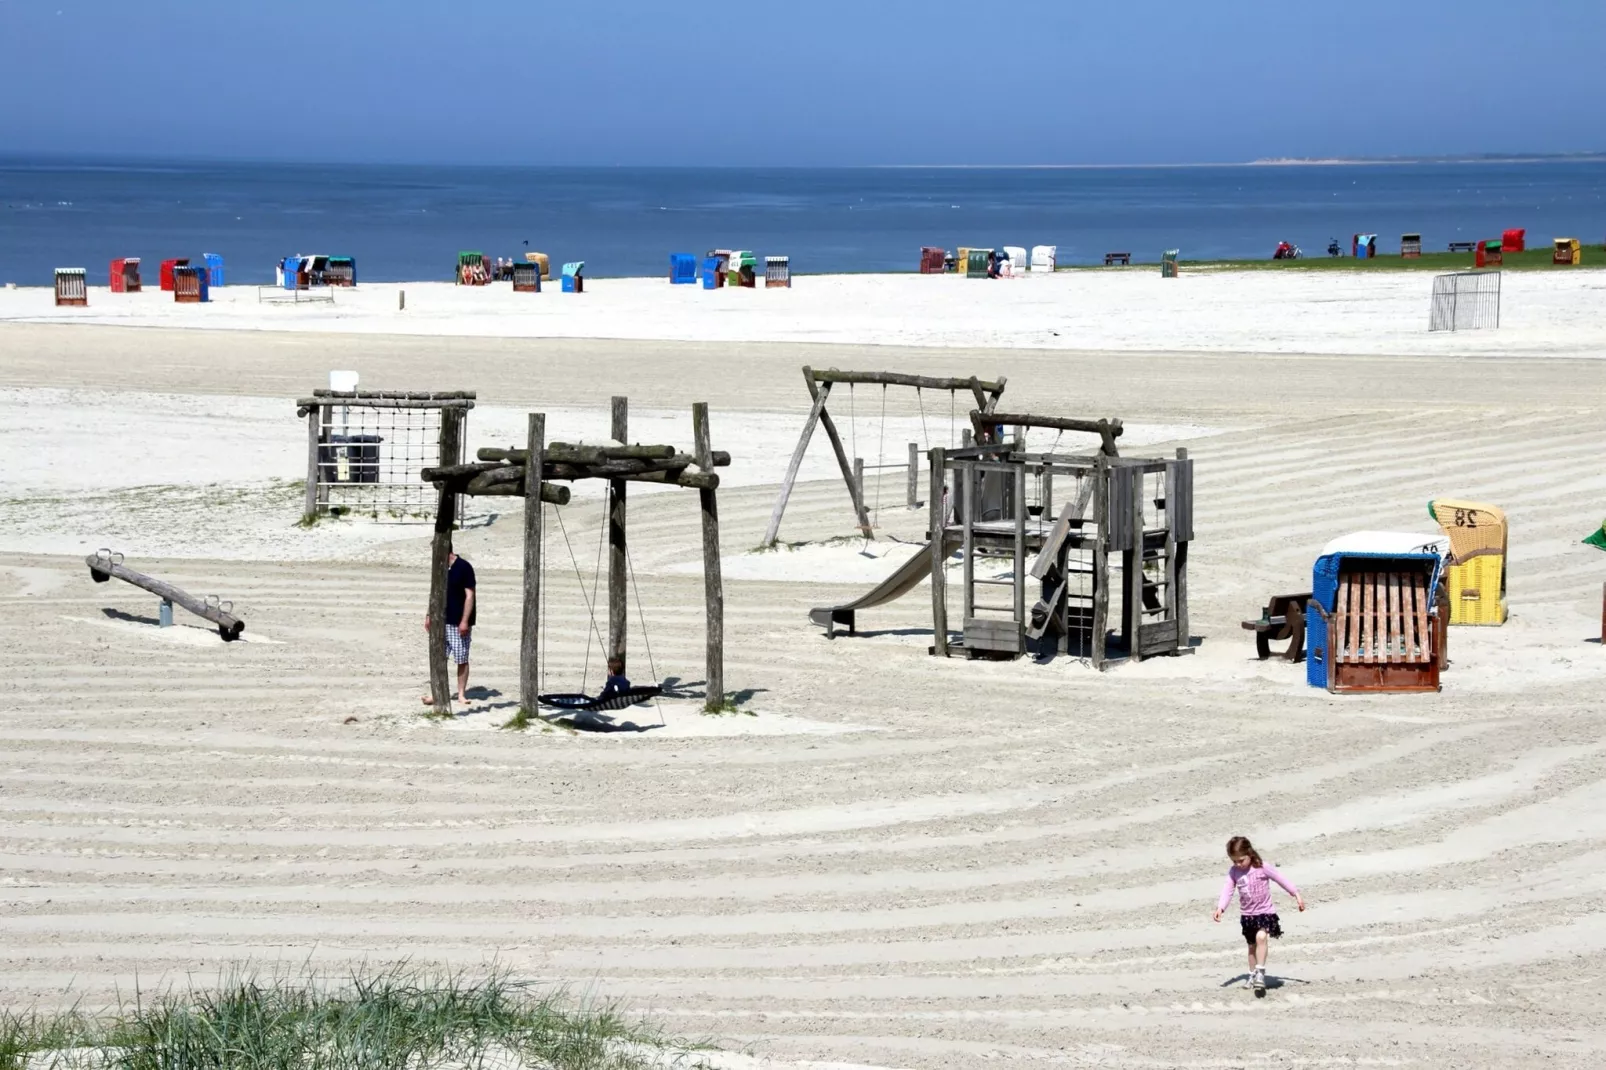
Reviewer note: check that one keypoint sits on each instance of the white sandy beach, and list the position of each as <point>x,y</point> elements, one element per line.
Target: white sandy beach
<point>886,860</point>
<point>1284,311</point>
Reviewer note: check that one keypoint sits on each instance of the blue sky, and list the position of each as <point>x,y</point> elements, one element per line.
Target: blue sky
<point>811,82</point>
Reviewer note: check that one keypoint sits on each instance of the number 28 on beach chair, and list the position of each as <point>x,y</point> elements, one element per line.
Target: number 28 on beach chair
<point>1375,620</point>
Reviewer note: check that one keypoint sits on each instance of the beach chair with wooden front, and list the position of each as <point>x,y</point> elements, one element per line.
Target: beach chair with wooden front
<point>526,278</point>
<point>778,271</point>
<point>1476,575</point>
<point>1374,620</point>
<point>191,285</point>
<point>72,286</point>
<point>931,260</point>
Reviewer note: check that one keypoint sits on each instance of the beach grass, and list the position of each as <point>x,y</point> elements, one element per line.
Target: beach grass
<point>1529,259</point>
<point>386,1019</point>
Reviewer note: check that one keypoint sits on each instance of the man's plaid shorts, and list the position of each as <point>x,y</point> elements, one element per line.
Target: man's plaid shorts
<point>456,644</point>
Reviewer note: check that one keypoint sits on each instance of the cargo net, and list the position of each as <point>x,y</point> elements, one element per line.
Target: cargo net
<point>369,459</point>
<point>1465,301</point>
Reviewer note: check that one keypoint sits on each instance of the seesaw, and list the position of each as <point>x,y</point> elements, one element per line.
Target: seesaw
<point>104,564</point>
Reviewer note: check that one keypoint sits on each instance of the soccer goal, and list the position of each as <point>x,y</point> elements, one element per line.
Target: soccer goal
<point>1465,301</point>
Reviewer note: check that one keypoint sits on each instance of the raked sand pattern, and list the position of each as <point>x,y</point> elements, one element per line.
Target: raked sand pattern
<point>886,860</point>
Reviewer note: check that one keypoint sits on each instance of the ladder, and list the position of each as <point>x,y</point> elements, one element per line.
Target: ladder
<point>995,617</point>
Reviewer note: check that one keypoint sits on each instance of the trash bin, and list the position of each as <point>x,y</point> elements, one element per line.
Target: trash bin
<point>349,459</point>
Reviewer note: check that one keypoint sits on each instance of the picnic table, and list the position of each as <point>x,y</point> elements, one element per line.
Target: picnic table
<point>1283,619</point>
<point>1463,246</point>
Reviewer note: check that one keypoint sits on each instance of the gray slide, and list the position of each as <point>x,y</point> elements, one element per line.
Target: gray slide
<point>895,586</point>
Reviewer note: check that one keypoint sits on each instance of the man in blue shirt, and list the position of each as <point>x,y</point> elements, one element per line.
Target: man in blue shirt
<point>461,609</point>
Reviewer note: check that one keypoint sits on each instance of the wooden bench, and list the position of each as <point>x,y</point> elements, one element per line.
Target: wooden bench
<point>1384,634</point>
<point>1124,259</point>
<point>1463,246</point>
<point>1283,619</point>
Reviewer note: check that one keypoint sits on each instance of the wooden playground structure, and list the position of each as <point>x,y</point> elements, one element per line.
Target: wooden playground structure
<point>523,473</point>
<point>985,393</point>
<point>1078,526</point>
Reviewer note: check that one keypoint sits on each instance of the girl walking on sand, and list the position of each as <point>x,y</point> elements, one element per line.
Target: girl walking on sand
<point>1253,879</point>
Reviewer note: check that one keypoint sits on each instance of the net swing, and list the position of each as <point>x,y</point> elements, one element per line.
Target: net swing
<point>581,701</point>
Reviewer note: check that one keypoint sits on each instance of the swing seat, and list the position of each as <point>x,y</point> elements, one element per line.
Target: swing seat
<point>578,703</point>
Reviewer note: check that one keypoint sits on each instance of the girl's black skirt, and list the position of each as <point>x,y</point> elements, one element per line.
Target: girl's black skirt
<point>1253,923</point>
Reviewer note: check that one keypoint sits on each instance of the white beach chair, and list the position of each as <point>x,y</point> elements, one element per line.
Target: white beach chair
<point>1043,257</point>
<point>1016,264</point>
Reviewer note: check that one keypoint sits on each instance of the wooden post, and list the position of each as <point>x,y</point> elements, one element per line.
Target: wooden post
<point>326,421</point>
<point>796,461</point>
<point>440,679</point>
<point>818,391</point>
<point>914,475</point>
<point>1046,499</point>
<point>1101,560</point>
<point>1132,572</point>
<point>530,631</point>
<point>310,507</point>
<point>713,583</point>
<point>939,535</point>
<point>965,475</point>
<point>1021,566</point>
<point>1179,582</point>
<point>618,602</point>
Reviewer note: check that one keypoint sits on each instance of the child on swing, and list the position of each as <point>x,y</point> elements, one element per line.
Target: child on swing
<point>616,682</point>
<point>1253,879</point>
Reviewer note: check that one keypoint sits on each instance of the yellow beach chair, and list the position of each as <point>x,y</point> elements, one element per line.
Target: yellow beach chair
<point>1477,572</point>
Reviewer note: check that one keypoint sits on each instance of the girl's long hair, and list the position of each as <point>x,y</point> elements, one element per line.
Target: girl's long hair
<point>1240,845</point>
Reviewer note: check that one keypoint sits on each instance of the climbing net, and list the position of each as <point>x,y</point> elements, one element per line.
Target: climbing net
<point>369,458</point>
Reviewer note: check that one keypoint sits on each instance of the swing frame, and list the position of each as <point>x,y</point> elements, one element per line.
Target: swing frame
<point>525,473</point>
<point>986,394</point>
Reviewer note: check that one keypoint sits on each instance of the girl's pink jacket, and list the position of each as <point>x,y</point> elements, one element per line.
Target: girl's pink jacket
<point>1254,889</point>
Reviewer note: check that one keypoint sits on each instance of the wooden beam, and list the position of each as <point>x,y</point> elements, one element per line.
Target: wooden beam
<point>530,625</point>
<point>1107,430</point>
<point>796,462</point>
<point>309,511</point>
<point>1101,561</point>
<point>713,581</point>
<point>440,681</point>
<point>994,395</point>
<point>306,404</point>
<point>924,382</point>
<point>1132,571</point>
<point>618,581</point>
<point>1179,588</point>
<point>398,395</point>
<point>567,454</point>
<point>913,492</point>
<point>939,575</point>
<point>103,567</point>
<point>855,491</point>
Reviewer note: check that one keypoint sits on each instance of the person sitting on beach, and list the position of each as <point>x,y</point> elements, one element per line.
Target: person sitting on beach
<point>995,264</point>
<point>615,683</point>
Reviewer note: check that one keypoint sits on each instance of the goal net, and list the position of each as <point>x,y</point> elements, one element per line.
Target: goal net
<point>1465,301</point>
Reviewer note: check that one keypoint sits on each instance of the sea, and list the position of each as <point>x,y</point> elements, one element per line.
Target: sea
<point>407,223</point>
